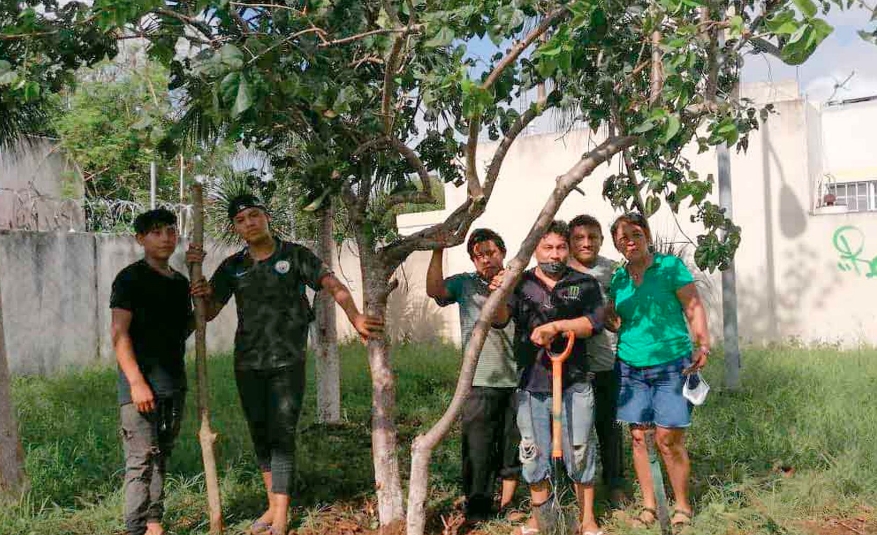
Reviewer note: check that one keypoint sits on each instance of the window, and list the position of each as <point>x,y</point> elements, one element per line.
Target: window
<point>858,196</point>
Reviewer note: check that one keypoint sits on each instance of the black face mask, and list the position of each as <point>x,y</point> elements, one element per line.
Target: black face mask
<point>552,268</point>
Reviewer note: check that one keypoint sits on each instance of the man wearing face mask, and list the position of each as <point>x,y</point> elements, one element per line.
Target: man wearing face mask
<point>489,434</point>
<point>550,300</point>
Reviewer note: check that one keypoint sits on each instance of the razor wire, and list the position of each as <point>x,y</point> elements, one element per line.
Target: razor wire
<point>29,209</point>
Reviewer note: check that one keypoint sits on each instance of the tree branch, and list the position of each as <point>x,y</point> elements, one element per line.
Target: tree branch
<point>199,25</point>
<point>516,50</point>
<point>408,30</point>
<point>473,183</point>
<point>657,75</point>
<point>268,6</point>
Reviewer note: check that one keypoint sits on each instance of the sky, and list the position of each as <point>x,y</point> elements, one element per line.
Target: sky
<point>841,54</point>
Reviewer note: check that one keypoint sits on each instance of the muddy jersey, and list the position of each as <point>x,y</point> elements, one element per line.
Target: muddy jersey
<point>272,307</point>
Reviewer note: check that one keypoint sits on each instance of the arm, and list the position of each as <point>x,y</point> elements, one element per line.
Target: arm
<point>203,289</point>
<point>544,334</point>
<point>695,313</point>
<point>435,277</point>
<point>366,326</point>
<point>613,322</point>
<point>141,394</point>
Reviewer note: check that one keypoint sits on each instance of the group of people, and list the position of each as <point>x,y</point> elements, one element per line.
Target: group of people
<point>640,329</point>
<point>650,302</point>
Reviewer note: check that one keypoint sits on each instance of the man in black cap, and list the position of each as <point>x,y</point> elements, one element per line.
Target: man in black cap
<point>267,279</point>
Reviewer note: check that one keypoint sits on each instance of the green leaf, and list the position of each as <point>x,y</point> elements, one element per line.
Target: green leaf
<point>444,37</point>
<point>736,24</point>
<point>807,7</point>
<point>869,37</point>
<point>645,127</point>
<point>317,203</point>
<point>231,56</point>
<point>783,23</point>
<point>673,126</point>
<point>653,204</point>
<point>244,100</point>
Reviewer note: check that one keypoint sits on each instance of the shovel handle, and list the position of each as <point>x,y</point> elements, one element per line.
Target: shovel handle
<point>557,395</point>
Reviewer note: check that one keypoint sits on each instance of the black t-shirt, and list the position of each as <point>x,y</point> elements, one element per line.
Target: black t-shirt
<point>273,309</point>
<point>534,304</point>
<point>161,309</point>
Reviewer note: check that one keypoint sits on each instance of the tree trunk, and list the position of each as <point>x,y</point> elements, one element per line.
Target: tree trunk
<point>328,364</point>
<point>421,450</point>
<point>206,436</point>
<point>391,508</point>
<point>13,480</point>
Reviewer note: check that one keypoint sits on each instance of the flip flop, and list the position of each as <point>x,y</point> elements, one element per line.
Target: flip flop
<point>525,530</point>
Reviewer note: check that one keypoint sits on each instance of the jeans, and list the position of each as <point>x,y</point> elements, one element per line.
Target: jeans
<point>272,401</point>
<point>652,395</point>
<point>577,421</point>
<point>148,439</point>
<point>490,445</point>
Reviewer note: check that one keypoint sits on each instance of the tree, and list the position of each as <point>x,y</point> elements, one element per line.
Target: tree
<point>384,94</point>
<point>111,125</point>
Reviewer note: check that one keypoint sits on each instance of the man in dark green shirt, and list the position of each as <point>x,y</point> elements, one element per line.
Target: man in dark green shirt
<point>267,279</point>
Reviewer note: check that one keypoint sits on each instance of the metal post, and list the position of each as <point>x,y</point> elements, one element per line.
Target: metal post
<point>729,280</point>
<point>153,186</point>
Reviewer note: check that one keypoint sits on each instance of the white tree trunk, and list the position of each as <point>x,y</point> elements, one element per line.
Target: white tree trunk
<point>388,485</point>
<point>421,450</point>
<point>328,363</point>
<point>13,480</point>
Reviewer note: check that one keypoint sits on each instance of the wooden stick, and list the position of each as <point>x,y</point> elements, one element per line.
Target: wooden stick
<point>206,436</point>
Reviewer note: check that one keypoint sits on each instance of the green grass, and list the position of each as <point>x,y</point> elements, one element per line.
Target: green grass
<point>809,410</point>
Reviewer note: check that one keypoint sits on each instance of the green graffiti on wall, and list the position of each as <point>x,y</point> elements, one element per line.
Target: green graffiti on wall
<point>849,241</point>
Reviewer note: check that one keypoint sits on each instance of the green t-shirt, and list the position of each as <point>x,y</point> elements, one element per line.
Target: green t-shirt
<point>653,328</point>
<point>496,365</point>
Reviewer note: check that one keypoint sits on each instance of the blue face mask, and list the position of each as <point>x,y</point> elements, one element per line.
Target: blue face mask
<point>552,268</point>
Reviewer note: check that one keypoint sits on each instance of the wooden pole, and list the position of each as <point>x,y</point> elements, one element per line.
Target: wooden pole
<point>206,436</point>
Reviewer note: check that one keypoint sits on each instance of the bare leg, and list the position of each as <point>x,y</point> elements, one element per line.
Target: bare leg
<point>539,494</point>
<point>154,528</point>
<point>508,492</point>
<point>641,465</point>
<point>671,444</point>
<point>585,497</point>
<point>281,510</point>
<point>268,516</point>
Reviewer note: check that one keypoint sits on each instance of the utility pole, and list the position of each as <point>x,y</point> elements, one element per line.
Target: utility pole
<point>729,280</point>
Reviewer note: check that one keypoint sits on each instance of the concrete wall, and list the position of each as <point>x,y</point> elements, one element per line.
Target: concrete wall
<point>56,294</point>
<point>37,184</point>
<point>800,276</point>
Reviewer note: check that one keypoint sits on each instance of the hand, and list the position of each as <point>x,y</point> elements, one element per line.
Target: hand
<point>368,326</point>
<point>544,334</point>
<point>201,288</point>
<point>496,281</point>
<point>698,360</point>
<point>195,254</point>
<point>142,397</point>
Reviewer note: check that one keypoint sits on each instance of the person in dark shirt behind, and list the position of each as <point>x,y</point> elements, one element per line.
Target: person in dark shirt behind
<point>151,319</point>
<point>267,279</point>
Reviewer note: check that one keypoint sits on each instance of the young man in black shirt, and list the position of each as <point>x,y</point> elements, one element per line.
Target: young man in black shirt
<point>151,319</point>
<point>550,300</point>
<point>267,279</point>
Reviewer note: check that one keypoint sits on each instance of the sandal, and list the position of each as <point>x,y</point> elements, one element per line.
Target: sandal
<point>258,527</point>
<point>643,521</point>
<point>686,518</point>
<point>524,529</point>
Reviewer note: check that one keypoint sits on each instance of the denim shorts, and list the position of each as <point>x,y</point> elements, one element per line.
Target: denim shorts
<point>578,441</point>
<point>653,395</point>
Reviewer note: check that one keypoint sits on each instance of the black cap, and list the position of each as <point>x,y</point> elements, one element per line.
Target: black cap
<point>242,202</point>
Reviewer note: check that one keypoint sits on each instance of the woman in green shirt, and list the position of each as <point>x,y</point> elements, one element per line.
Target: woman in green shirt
<point>650,299</point>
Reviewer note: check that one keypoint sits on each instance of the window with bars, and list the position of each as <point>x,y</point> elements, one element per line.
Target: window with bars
<point>858,196</point>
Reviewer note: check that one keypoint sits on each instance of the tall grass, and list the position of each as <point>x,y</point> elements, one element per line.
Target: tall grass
<point>796,443</point>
